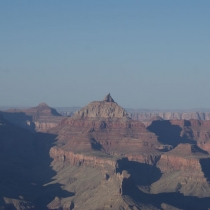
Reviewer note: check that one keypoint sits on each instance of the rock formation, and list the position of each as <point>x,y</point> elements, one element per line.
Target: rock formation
<point>104,126</point>
<point>185,169</point>
<point>102,159</point>
<point>102,109</point>
<point>39,118</point>
<point>103,137</point>
<point>183,131</point>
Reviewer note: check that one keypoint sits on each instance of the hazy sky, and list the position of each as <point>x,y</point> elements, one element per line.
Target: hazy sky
<point>147,54</point>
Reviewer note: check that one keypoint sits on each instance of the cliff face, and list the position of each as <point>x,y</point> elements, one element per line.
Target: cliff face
<point>94,160</point>
<point>185,157</point>
<point>182,131</point>
<point>184,170</point>
<point>40,118</point>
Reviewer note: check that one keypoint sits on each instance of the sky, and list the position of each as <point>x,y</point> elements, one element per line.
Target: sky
<point>147,54</point>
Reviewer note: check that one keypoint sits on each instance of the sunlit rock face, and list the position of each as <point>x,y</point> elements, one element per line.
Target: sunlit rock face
<point>102,109</point>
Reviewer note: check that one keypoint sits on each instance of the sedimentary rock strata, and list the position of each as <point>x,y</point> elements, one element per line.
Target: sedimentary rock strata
<point>40,118</point>
<point>147,115</point>
<point>185,169</point>
<point>104,126</point>
<point>183,131</point>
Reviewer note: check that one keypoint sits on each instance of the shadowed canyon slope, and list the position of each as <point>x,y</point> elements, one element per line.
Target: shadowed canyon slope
<point>25,169</point>
<point>102,159</point>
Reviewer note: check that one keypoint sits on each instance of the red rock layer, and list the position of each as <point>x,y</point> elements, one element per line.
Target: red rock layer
<point>118,137</point>
<point>185,158</point>
<point>197,130</point>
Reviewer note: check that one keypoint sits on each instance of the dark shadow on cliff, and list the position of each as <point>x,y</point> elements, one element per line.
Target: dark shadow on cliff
<point>145,175</point>
<point>177,199</point>
<point>168,133</point>
<point>205,165</point>
<point>95,145</point>
<point>25,167</point>
<point>20,119</point>
<point>142,174</point>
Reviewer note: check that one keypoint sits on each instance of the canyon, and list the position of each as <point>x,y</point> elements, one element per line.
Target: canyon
<point>103,158</point>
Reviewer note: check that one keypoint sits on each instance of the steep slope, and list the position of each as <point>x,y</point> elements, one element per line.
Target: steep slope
<point>25,169</point>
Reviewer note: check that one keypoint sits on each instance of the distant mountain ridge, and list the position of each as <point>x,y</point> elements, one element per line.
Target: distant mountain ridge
<point>142,114</point>
<point>146,114</point>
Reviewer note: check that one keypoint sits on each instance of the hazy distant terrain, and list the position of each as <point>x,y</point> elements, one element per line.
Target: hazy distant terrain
<point>141,114</point>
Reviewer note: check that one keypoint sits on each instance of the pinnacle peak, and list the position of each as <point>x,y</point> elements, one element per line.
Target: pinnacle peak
<point>108,98</point>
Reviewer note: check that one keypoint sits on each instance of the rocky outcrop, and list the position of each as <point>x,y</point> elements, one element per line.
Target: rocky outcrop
<point>40,118</point>
<point>174,132</point>
<point>186,167</point>
<point>184,157</point>
<point>103,126</point>
<point>108,98</point>
<point>184,170</point>
<point>102,109</point>
<point>93,160</point>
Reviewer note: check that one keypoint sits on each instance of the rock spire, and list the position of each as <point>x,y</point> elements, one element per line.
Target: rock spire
<point>108,98</point>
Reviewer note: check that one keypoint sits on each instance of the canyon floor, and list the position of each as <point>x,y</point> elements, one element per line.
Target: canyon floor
<point>101,158</point>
